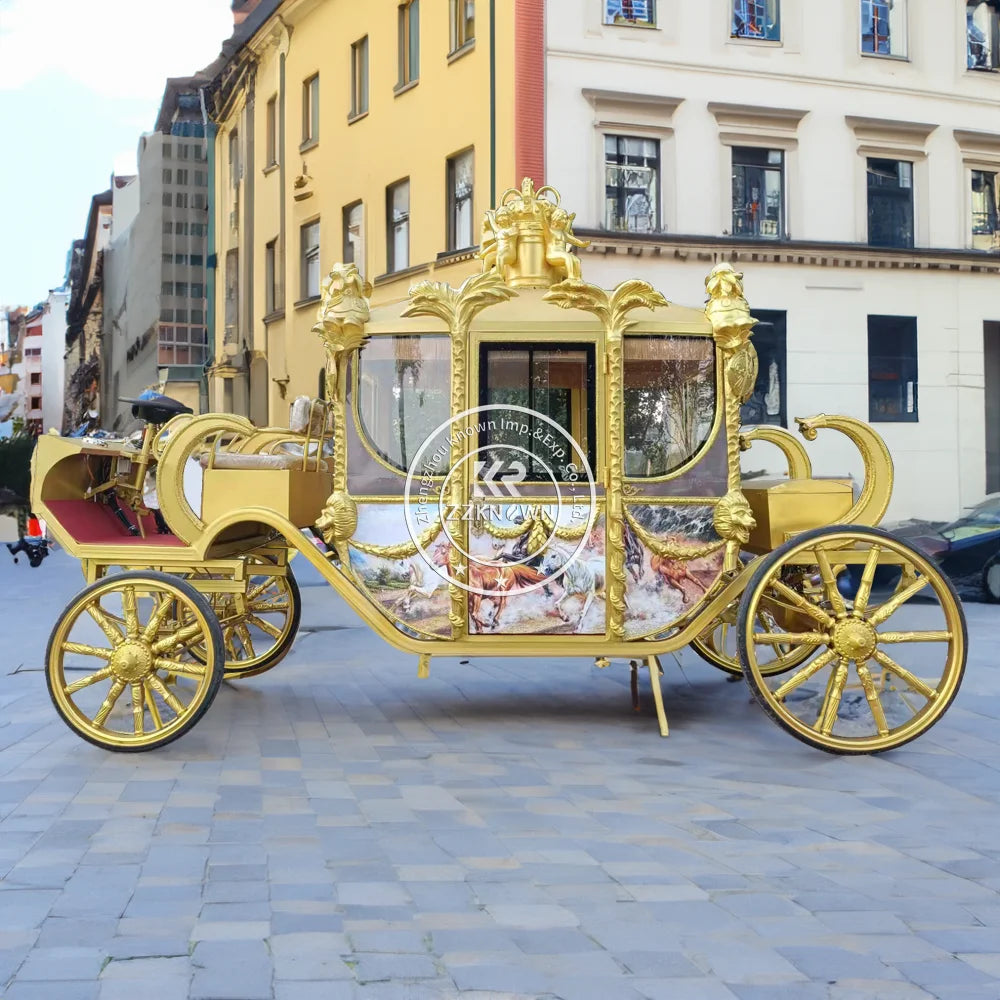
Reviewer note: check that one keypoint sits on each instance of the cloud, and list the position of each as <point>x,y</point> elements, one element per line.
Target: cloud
<point>116,48</point>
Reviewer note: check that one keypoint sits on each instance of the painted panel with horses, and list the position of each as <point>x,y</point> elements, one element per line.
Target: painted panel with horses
<point>672,558</point>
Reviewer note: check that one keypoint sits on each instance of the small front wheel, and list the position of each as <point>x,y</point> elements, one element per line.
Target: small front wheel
<point>116,666</point>
<point>869,683</point>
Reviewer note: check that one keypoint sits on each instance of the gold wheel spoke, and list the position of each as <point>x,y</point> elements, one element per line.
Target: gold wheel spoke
<point>275,633</point>
<point>181,636</point>
<point>84,682</point>
<point>804,674</point>
<point>867,577</point>
<point>157,619</point>
<point>269,607</point>
<point>230,645</point>
<point>259,589</point>
<point>130,612</point>
<point>831,700</point>
<point>138,708</point>
<point>914,637</point>
<point>878,714</point>
<point>84,650</point>
<point>802,604</point>
<point>833,595</point>
<point>161,689</point>
<point>107,626</point>
<point>903,674</point>
<point>790,638</point>
<point>154,711</point>
<point>196,670</point>
<point>880,614</point>
<point>109,703</point>
<point>246,641</point>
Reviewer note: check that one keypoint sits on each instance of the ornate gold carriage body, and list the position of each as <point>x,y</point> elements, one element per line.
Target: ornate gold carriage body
<point>527,465</point>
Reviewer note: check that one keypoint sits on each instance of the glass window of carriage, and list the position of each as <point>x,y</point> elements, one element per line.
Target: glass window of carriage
<point>670,400</point>
<point>403,394</point>
<point>758,193</point>
<point>883,27</point>
<point>982,27</point>
<point>635,13</point>
<point>554,380</point>
<point>631,183</point>
<point>890,203</point>
<point>757,19</point>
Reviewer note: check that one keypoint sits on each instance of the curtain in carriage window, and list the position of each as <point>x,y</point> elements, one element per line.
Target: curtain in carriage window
<point>404,394</point>
<point>670,401</point>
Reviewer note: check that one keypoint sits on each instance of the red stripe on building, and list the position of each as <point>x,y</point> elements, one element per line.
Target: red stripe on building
<point>529,91</point>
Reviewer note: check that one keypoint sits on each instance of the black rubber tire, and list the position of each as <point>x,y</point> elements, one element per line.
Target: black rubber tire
<point>989,594</point>
<point>215,678</point>
<point>768,563</point>
<point>281,650</point>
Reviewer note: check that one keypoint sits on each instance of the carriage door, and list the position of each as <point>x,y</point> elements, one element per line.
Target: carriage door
<point>536,554</point>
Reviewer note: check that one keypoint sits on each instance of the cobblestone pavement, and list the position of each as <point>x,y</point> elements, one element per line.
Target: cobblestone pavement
<point>338,828</point>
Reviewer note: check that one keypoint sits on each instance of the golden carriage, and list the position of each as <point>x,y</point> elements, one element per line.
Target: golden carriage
<point>527,465</point>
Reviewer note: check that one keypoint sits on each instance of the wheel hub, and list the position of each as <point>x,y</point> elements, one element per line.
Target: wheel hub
<point>132,661</point>
<point>854,639</point>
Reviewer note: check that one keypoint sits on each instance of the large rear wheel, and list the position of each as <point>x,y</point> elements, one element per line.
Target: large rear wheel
<point>867,684</point>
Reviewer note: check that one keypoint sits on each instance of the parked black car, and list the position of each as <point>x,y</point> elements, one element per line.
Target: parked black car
<point>967,549</point>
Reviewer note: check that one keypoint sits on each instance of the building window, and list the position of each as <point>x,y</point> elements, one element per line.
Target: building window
<point>984,204</point>
<point>197,259</point>
<point>166,151</point>
<point>271,133</point>
<point>766,404</point>
<point>409,43</point>
<point>310,109</point>
<point>166,199</point>
<point>271,277</point>
<point>36,378</point>
<point>232,295</point>
<point>631,184</point>
<point>167,175</point>
<point>883,27</point>
<point>310,260</point>
<point>167,288</point>
<point>235,167</point>
<point>757,19</point>
<point>182,176</point>
<point>199,200</point>
<point>197,290</point>
<point>397,200</point>
<point>354,235</point>
<point>36,402</point>
<point>758,193</point>
<point>892,369</point>
<point>463,23</point>
<point>201,178</point>
<point>182,345</point>
<point>982,18</point>
<point>890,203</point>
<point>460,180</point>
<point>359,77</point>
<point>638,12</point>
<point>181,289</point>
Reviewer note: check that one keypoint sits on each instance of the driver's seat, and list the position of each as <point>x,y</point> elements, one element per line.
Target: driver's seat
<point>156,409</point>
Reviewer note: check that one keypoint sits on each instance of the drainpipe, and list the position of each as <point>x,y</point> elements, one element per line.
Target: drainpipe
<point>210,259</point>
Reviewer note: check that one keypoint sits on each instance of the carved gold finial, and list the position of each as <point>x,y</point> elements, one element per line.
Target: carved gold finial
<point>727,309</point>
<point>527,238</point>
<point>733,518</point>
<point>344,309</point>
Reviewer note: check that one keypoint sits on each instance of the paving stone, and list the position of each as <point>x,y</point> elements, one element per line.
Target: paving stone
<point>65,990</point>
<point>61,964</point>
<point>382,967</point>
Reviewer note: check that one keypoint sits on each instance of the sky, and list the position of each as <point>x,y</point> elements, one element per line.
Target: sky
<point>80,81</point>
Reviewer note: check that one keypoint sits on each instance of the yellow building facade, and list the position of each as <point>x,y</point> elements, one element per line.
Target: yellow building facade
<point>371,133</point>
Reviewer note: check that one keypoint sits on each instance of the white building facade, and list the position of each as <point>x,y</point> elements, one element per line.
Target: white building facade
<point>845,157</point>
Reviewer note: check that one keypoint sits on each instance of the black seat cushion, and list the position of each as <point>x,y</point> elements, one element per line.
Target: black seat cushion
<point>157,409</point>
